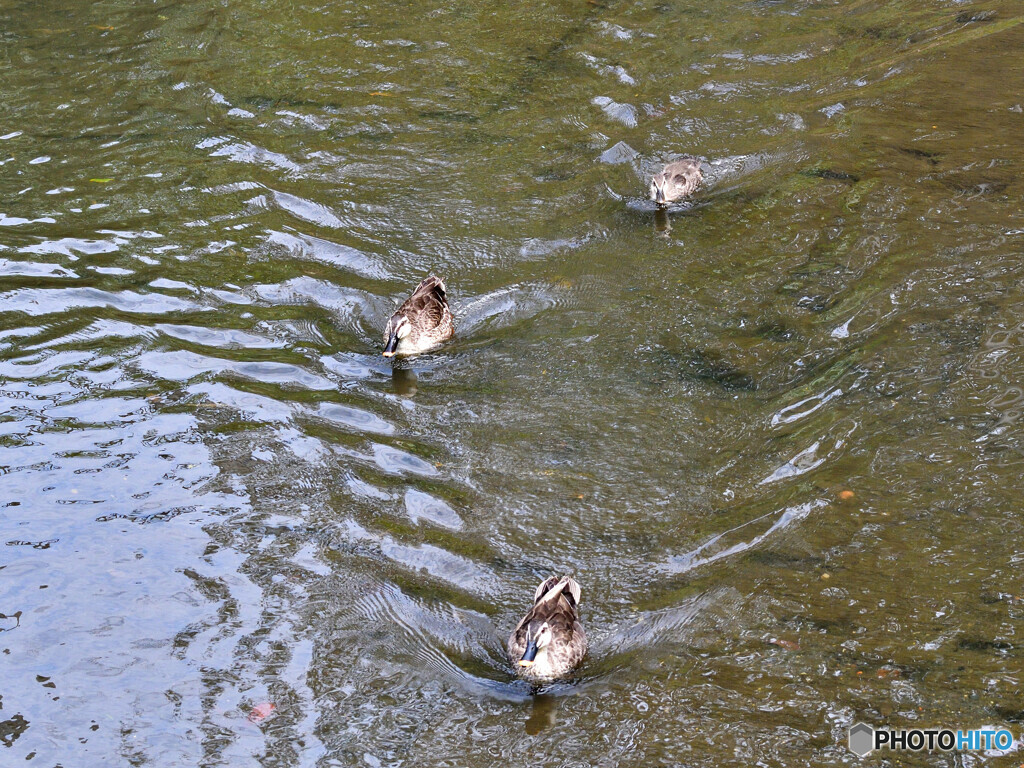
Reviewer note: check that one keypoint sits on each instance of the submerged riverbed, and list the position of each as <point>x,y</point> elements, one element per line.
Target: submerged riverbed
<point>774,435</point>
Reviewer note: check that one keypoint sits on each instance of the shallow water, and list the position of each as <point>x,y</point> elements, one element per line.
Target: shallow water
<point>774,434</point>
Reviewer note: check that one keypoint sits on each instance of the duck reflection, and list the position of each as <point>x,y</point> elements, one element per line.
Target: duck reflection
<point>403,381</point>
<point>662,225</point>
<point>542,715</point>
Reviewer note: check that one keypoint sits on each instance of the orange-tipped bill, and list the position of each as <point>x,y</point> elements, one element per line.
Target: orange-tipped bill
<point>391,346</point>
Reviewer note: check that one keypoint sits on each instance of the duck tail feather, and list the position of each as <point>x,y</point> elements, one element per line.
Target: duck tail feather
<point>432,284</point>
<point>544,588</point>
<point>553,587</point>
<point>573,589</point>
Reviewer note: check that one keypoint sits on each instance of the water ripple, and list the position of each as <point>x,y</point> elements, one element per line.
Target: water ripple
<point>724,544</point>
<point>326,252</point>
<point>38,302</point>
<point>353,418</point>
<point>184,366</point>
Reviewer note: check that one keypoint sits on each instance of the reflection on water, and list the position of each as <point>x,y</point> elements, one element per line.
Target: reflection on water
<point>543,714</point>
<point>774,434</point>
<point>403,381</point>
<point>661,222</point>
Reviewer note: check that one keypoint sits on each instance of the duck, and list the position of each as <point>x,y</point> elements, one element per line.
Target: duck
<point>677,180</point>
<point>423,321</point>
<point>549,642</point>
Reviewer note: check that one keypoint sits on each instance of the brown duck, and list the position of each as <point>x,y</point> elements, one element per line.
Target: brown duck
<point>676,181</point>
<point>422,322</point>
<point>549,642</point>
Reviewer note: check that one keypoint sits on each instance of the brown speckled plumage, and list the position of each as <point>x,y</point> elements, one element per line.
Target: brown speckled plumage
<point>677,180</point>
<point>556,611</point>
<point>422,322</point>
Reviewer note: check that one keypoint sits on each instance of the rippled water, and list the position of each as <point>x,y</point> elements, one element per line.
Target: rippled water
<point>774,435</point>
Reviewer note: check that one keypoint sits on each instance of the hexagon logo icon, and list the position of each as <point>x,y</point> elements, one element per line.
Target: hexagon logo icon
<point>862,739</point>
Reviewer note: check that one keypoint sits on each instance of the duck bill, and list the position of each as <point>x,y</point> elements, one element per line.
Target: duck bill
<point>659,195</point>
<point>392,346</point>
<point>530,655</point>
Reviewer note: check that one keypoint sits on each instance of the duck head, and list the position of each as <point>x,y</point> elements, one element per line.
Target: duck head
<point>398,328</point>
<point>658,189</point>
<point>538,637</point>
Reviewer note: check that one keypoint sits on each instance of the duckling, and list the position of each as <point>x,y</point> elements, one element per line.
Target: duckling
<point>549,642</point>
<point>421,323</point>
<point>676,181</point>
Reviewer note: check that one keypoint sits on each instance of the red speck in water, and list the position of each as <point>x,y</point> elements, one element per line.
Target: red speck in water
<point>261,712</point>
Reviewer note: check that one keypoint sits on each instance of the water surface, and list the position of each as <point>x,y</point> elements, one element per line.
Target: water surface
<point>774,435</point>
